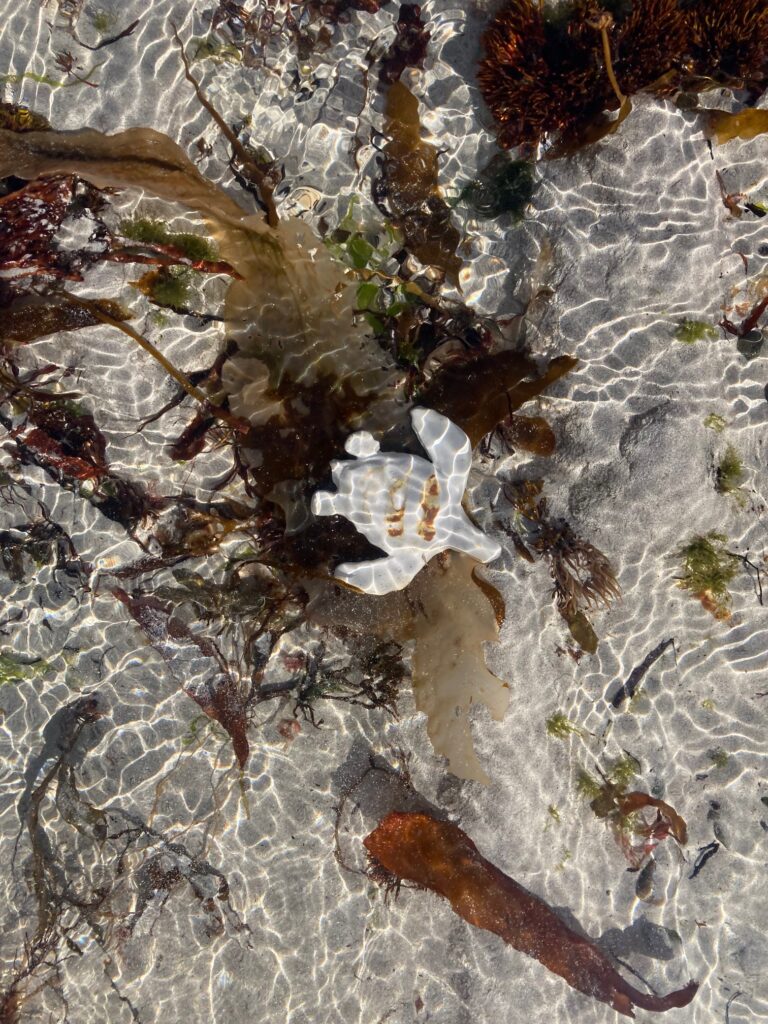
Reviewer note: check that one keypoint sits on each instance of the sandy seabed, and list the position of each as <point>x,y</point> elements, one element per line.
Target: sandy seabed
<point>261,922</point>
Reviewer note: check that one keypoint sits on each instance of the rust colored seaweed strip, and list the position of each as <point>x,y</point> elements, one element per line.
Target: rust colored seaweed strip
<point>156,354</point>
<point>437,855</point>
<point>240,151</point>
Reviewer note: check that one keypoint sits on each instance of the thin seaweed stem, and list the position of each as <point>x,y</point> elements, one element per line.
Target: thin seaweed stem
<point>156,354</point>
<point>252,168</point>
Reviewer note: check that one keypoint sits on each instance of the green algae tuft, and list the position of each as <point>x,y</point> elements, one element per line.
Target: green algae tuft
<point>691,331</point>
<point>708,568</point>
<point>559,727</point>
<point>152,231</point>
<point>715,422</point>
<point>729,475</point>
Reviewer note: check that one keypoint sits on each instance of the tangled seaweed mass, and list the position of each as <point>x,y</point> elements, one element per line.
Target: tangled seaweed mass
<point>547,75</point>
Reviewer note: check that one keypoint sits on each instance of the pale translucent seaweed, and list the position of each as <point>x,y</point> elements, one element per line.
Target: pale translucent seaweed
<point>449,615</point>
<point>455,619</point>
<point>293,310</point>
<point>407,506</point>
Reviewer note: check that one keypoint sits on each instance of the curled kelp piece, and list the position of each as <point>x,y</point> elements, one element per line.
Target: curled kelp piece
<point>439,856</point>
<point>407,192</point>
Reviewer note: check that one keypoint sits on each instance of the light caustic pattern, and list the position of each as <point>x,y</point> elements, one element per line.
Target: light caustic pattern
<point>193,891</point>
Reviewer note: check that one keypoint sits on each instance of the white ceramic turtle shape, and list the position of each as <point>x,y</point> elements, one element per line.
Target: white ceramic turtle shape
<point>404,504</point>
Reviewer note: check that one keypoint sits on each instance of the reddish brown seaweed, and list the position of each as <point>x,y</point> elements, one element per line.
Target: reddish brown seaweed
<point>437,855</point>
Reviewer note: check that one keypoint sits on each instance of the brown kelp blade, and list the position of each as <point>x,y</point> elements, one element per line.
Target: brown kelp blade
<point>478,395</point>
<point>722,126</point>
<point>437,855</point>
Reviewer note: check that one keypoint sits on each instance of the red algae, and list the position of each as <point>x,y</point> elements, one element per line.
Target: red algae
<point>437,855</point>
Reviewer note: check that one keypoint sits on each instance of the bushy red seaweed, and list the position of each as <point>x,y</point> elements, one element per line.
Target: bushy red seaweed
<point>546,75</point>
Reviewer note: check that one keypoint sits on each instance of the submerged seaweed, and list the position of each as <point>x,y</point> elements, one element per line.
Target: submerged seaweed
<point>547,74</point>
<point>610,800</point>
<point>406,190</point>
<point>729,476</point>
<point>438,856</point>
<point>583,577</point>
<point>708,568</point>
<point>504,186</point>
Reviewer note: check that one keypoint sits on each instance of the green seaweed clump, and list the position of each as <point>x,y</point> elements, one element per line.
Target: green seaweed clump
<point>587,785</point>
<point>623,770</point>
<point>505,186</point>
<point>708,569</point>
<point>170,286</point>
<point>715,422</point>
<point>691,331</point>
<point>152,231</point>
<point>729,475</point>
<point>559,727</point>
<point>13,670</point>
<point>718,757</point>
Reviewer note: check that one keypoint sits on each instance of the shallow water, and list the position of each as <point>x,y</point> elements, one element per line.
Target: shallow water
<point>219,895</point>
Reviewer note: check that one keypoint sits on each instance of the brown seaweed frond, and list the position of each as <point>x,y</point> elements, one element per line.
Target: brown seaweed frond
<point>409,47</point>
<point>539,76</point>
<point>248,165</point>
<point>582,575</point>
<point>407,191</point>
<point>438,855</point>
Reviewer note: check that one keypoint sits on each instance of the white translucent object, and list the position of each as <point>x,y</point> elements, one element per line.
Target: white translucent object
<point>404,504</point>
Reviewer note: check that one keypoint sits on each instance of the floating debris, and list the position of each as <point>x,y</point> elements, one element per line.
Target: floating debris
<point>407,506</point>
